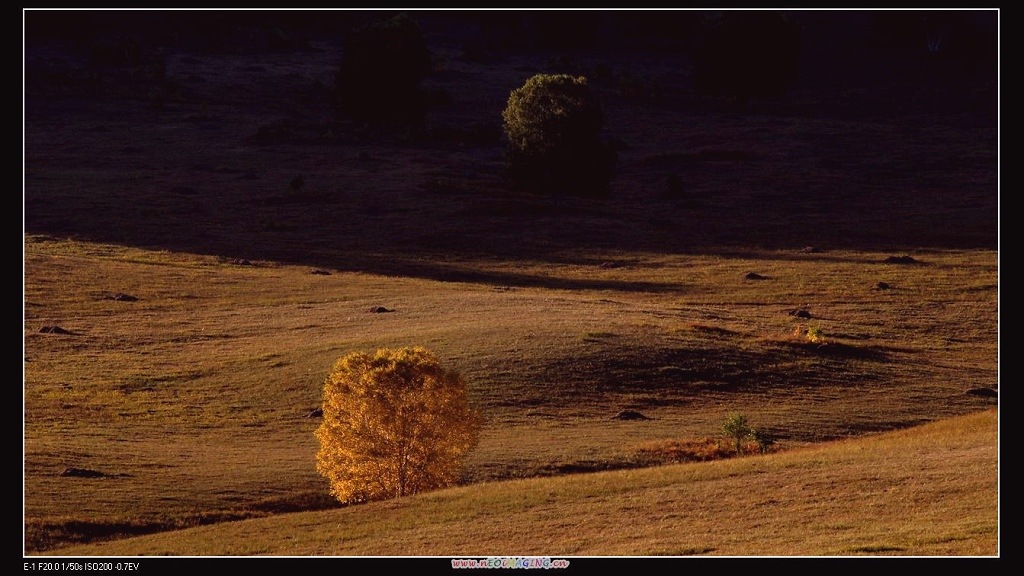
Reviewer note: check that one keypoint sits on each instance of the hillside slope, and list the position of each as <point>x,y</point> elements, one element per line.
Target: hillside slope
<point>930,490</point>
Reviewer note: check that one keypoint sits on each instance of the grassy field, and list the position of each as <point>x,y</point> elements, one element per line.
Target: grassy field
<point>193,400</point>
<point>183,305</point>
<point>927,491</point>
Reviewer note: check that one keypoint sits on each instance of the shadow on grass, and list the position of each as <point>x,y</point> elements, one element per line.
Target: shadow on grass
<point>673,373</point>
<point>41,536</point>
<point>447,273</point>
<point>839,350</point>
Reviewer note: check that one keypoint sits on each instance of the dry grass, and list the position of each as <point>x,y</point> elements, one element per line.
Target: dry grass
<point>927,491</point>
<point>192,400</point>
<point>702,450</point>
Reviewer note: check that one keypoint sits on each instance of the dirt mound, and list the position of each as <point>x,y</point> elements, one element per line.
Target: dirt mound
<point>901,260</point>
<point>629,415</point>
<point>81,473</point>
<point>54,330</point>
<point>985,392</point>
<point>121,297</point>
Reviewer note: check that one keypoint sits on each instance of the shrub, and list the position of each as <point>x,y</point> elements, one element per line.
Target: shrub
<point>395,423</point>
<point>746,438</point>
<point>737,428</point>
<point>553,125</point>
<point>765,440</point>
<point>746,54</point>
<point>809,334</point>
<point>381,68</point>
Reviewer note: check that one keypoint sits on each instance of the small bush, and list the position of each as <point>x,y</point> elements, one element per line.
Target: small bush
<point>746,438</point>
<point>746,54</point>
<point>737,428</point>
<point>553,125</point>
<point>809,334</point>
<point>381,68</point>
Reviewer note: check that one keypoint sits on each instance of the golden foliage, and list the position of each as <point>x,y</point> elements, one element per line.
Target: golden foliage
<point>394,423</point>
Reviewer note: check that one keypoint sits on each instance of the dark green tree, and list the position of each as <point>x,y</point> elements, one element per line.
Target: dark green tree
<point>553,125</point>
<point>746,54</point>
<point>381,68</point>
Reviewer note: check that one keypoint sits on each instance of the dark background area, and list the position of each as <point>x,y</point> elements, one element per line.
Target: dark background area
<point>184,130</point>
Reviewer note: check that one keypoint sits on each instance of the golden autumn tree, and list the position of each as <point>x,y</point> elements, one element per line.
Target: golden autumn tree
<point>394,423</point>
